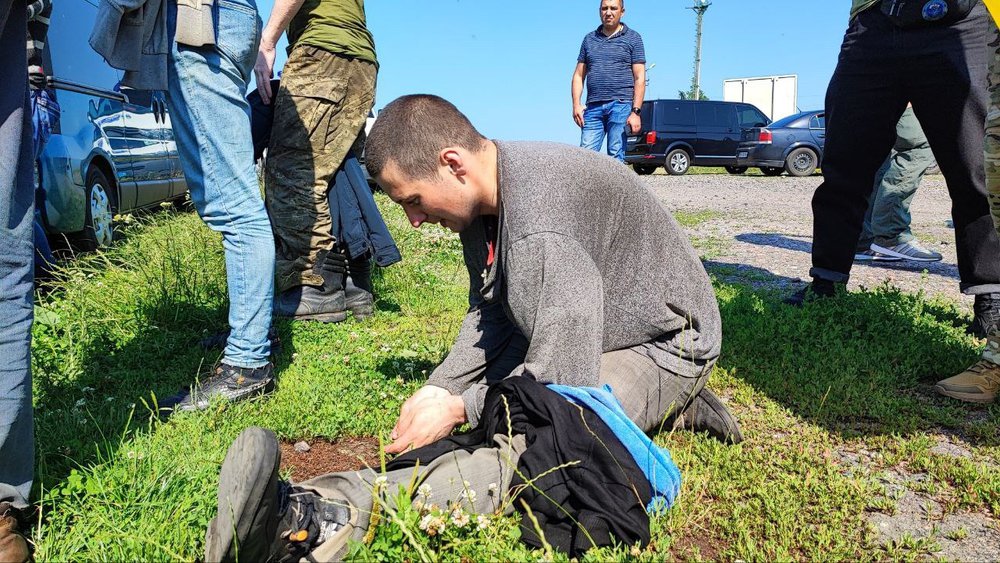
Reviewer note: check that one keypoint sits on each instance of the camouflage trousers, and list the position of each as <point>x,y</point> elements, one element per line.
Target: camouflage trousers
<point>992,145</point>
<point>319,111</point>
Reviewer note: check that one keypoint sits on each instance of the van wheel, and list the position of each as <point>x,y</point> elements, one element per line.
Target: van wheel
<point>102,204</point>
<point>644,169</point>
<point>736,169</point>
<point>801,162</point>
<point>771,170</point>
<point>677,162</point>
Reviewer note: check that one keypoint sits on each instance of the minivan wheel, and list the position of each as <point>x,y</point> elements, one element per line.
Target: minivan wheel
<point>102,203</point>
<point>644,169</point>
<point>772,170</point>
<point>801,162</point>
<point>736,169</point>
<point>677,162</point>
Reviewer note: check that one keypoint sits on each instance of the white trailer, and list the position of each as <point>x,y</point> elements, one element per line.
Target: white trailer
<point>776,96</point>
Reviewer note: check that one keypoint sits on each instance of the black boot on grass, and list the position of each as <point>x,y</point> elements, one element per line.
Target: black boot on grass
<point>324,303</point>
<point>358,288</point>
<point>986,309</point>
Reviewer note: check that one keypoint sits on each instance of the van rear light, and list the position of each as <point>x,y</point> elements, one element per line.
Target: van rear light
<point>765,137</point>
<point>651,138</point>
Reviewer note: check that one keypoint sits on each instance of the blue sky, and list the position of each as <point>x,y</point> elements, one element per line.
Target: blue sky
<point>507,65</point>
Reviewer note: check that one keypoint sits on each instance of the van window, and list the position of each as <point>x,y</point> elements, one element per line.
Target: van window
<point>714,115</point>
<point>674,114</point>
<point>749,116</point>
<point>69,49</point>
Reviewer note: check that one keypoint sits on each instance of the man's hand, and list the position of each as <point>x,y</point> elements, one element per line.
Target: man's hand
<point>578,114</point>
<point>634,123</point>
<point>427,416</point>
<point>264,71</point>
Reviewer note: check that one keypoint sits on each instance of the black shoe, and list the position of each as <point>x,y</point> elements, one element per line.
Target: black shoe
<point>247,519</point>
<point>14,545</point>
<point>218,341</point>
<point>818,289</point>
<point>707,413</point>
<point>229,382</point>
<point>987,315</point>
<point>325,303</point>
<point>361,303</point>
<point>260,518</point>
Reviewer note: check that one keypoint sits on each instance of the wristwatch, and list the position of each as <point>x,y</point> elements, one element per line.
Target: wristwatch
<point>636,110</point>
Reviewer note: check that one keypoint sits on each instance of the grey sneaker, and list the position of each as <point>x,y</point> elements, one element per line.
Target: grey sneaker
<point>911,250</point>
<point>230,382</point>
<point>260,518</point>
<point>871,255</point>
<point>246,523</point>
<point>707,413</point>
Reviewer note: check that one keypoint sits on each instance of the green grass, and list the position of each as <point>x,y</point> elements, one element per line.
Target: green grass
<point>812,387</point>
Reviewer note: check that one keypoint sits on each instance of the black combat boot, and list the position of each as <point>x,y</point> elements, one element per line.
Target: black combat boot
<point>324,303</point>
<point>358,287</point>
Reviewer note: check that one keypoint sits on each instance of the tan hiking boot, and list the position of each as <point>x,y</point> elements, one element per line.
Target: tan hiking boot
<point>978,384</point>
<point>13,546</point>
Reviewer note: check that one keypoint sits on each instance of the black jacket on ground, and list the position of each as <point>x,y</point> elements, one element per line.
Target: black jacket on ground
<point>605,491</point>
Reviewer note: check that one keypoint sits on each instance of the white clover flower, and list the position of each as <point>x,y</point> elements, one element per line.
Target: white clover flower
<point>80,403</point>
<point>425,522</point>
<point>494,488</point>
<point>483,521</point>
<point>130,454</point>
<point>459,518</point>
<point>424,491</point>
<point>381,481</point>
<point>468,494</point>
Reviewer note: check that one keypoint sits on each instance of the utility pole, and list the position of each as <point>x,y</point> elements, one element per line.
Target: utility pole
<point>700,7</point>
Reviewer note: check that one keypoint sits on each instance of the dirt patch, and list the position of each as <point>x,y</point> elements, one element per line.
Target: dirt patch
<point>345,454</point>
<point>959,536</point>
<point>696,548</point>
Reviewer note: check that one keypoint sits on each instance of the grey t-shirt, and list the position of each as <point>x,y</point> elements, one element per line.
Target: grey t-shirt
<point>588,261</point>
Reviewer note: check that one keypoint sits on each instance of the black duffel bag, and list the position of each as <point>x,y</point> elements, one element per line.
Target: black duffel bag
<point>922,13</point>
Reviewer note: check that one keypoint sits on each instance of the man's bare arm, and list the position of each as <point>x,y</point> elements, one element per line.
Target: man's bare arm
<point>639,76</point>
<point>577,90</point>
<point>277,23</point>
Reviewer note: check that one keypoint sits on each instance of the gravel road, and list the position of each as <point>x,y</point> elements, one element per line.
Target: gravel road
<point>760,232</point>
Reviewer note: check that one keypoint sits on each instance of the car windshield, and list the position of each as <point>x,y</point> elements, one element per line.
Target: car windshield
<point>786,121</point>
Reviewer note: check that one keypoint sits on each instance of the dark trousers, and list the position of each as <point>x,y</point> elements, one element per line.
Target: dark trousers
<point>942,72</point>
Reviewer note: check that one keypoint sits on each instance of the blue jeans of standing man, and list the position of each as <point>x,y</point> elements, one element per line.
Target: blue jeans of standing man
<point>606,118</point>
<point>887,222</point>
<point>211,121</point>
<point>17,212</point>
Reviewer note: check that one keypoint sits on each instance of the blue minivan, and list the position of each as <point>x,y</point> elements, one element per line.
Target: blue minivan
<point>112,150</point>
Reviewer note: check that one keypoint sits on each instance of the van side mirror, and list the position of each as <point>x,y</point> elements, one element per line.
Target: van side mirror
<point>760,124</point>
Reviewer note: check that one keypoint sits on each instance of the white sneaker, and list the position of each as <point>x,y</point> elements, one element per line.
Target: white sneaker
<point>870,255</point>
<point>911,250</point>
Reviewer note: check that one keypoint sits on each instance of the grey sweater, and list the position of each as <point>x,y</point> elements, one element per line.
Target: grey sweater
<point>588,261</point>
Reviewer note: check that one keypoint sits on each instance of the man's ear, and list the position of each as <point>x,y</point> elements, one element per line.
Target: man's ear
<point>454,160</point>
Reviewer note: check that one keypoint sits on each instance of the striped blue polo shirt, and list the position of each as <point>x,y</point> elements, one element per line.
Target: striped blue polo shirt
<point>609,63</point>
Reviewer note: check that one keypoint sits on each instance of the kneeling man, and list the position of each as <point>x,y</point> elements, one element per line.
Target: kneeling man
<point>580,277</point>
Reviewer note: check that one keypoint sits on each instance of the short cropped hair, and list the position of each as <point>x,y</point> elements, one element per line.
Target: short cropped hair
<point>412,130</point>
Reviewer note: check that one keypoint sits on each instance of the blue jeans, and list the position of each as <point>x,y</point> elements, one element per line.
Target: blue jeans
<point>17,213</point>
<point>210,116</point>
<point>606,118</point>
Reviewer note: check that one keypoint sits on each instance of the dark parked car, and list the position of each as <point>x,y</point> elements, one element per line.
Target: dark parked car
<point>677,134</point>
<point>793,144</point>
<point>112,150</point>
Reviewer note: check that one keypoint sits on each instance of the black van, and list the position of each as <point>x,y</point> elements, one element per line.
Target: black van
<point>677,134</point>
